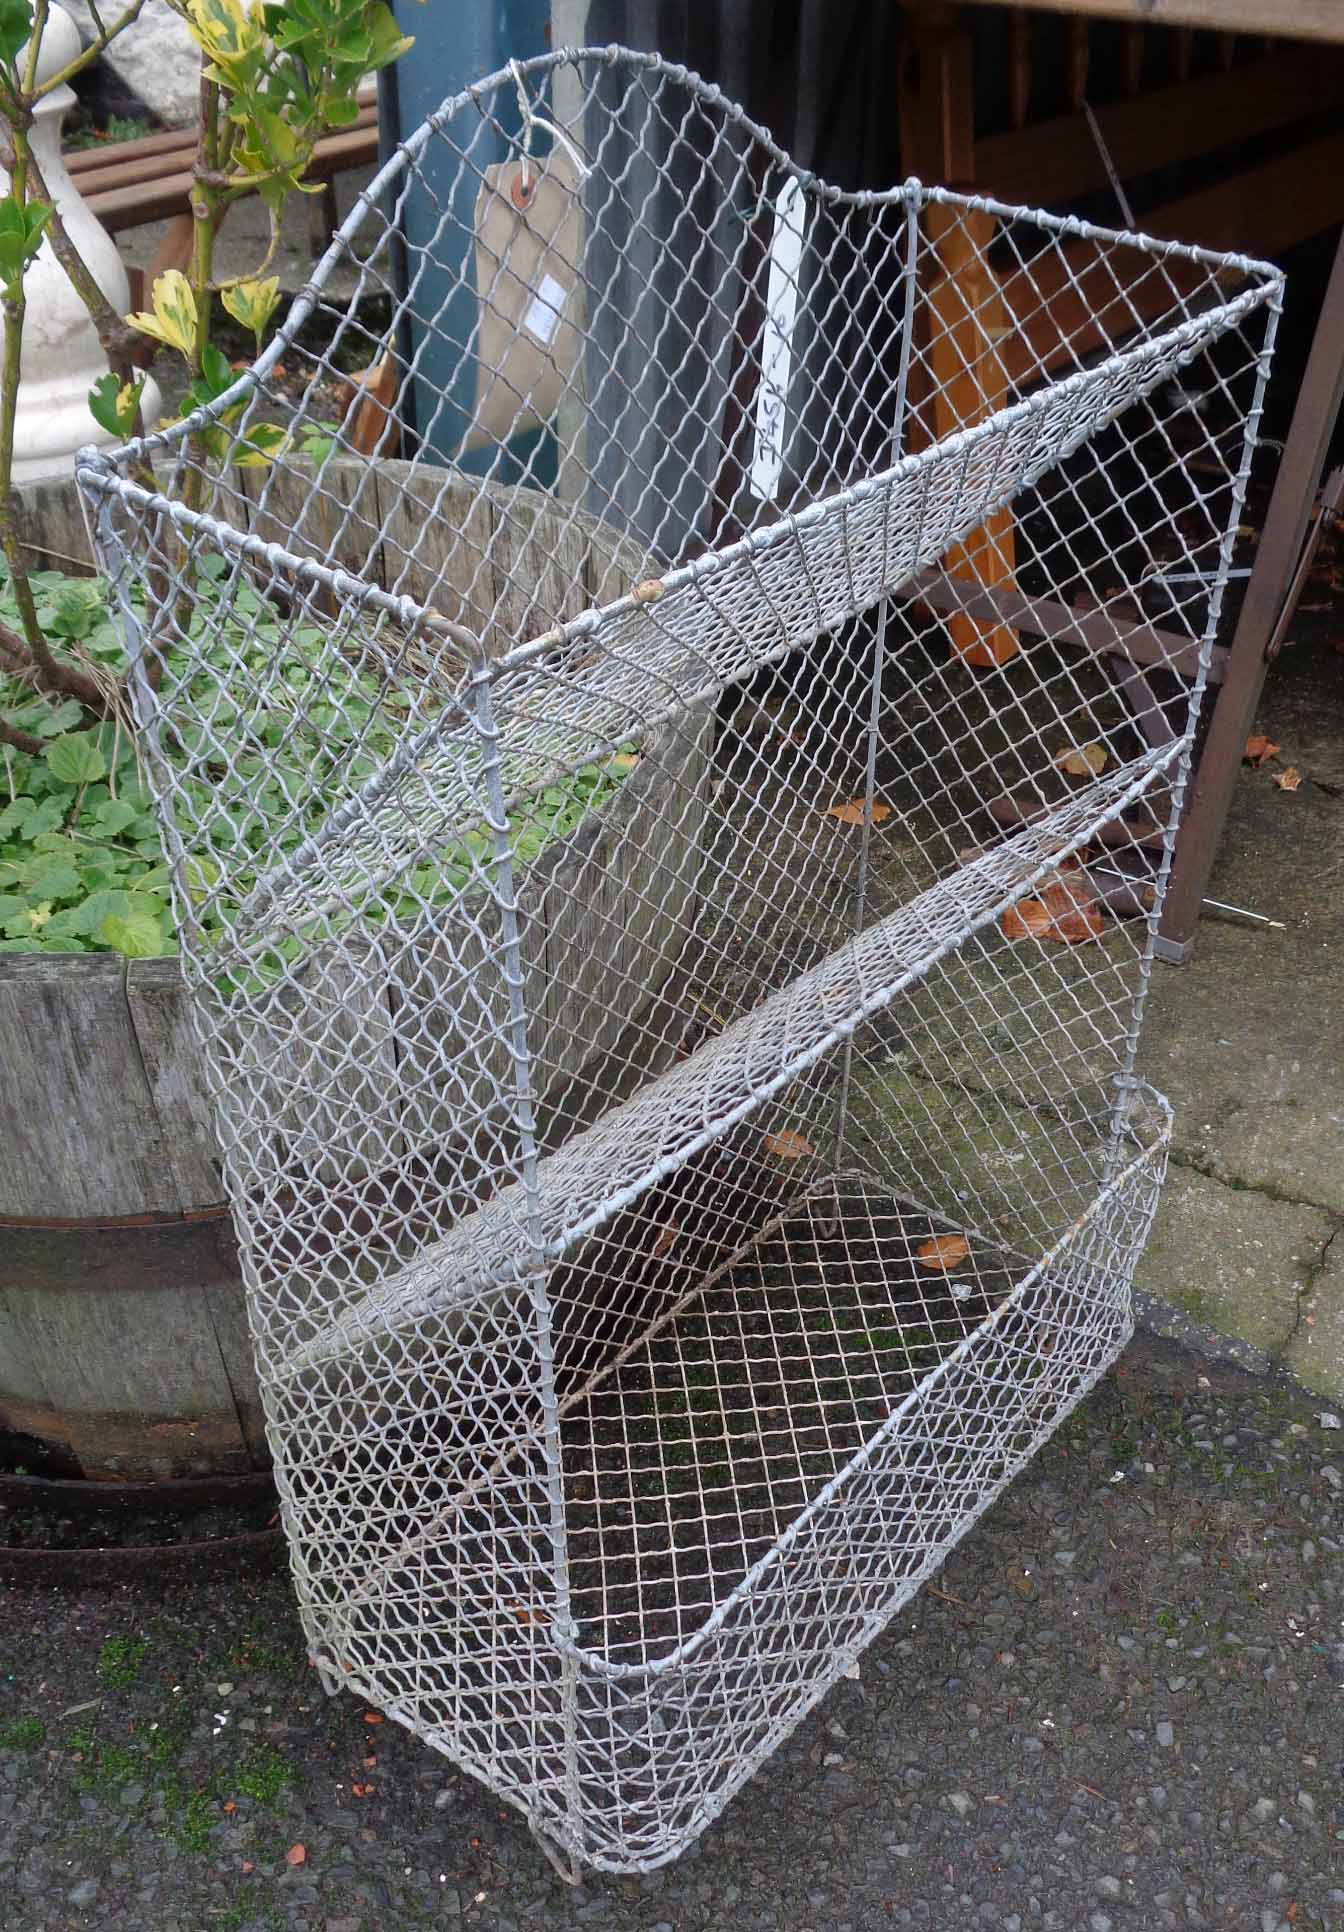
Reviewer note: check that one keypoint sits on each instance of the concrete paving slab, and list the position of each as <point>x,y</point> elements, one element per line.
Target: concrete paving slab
<point>1233,1258</point>
<point>1315,1353</point>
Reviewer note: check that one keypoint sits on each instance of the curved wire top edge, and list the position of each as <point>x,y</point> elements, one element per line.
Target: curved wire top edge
<point>138,449</point>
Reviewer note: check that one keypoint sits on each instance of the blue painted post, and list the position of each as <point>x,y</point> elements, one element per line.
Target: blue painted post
<point>454,46</point>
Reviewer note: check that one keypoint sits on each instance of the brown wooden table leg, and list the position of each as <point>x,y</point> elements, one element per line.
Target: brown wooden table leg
<point>1290,508</point>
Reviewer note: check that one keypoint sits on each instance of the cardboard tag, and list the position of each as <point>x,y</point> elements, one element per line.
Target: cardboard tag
<point>529,233</point>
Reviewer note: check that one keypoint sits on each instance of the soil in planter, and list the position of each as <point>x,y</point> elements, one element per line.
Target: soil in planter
<point>44,1524</point>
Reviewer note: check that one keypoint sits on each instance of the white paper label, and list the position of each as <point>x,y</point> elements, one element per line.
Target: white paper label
<point>543,314</point>
<point>781,312</point>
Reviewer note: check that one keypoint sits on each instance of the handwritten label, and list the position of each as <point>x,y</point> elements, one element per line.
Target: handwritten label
<point>781,313</point>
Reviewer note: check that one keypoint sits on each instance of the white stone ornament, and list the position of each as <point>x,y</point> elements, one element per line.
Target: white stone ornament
<point>62,357</point>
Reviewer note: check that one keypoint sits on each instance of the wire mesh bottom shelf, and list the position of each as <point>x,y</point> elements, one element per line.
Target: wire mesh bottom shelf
<point>752,1487</point>
<point>666,875</point>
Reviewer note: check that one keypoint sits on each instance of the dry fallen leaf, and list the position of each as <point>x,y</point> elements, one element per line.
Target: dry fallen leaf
<point>229,1807</point>
<point>1289,780</point>
<point>666,1240</point>
<point>296,1855</point>
<point>1075,916</point>
<point>362,1790</point>
<point>373,1717</point>
<point>786,1145</point>
<point>853,813</point>
<point>526,1614</point>
<point>1259,750</point>
<point>942,1252</point>
<point>1028,919</point>
<point>1082,761</point>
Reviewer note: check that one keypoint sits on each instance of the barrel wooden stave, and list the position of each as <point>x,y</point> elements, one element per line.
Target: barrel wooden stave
<point>124,1349</point>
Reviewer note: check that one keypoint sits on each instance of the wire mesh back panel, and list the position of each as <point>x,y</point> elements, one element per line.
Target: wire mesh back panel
<point>666,869</point>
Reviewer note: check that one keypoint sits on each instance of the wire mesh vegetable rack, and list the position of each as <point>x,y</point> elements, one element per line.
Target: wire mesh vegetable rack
<point>686,1156</point>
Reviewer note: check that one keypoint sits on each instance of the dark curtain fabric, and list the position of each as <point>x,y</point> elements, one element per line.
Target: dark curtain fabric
<point>676,264</point>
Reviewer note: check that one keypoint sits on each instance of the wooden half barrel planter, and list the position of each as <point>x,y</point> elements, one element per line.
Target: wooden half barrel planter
<point>124,1349</point>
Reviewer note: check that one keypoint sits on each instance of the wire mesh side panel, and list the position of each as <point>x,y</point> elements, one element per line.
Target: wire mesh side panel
<point>665,874</point>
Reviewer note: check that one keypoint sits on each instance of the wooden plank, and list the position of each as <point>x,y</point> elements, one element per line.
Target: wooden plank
<point>1131,59</point>
<point>1305,20</point>
<point>1019,66</point>
<point>1097,631</point>
<point>1058,160</point>
<point>615,563</point>
<point>168,192</point>
<point>317,1060</point>
<point>449,1001</point>
<point>936,96</point>
<point>51,527</point>
<point>118,164</point>
<point>331,517</point>
<point>132,1379</point>
<point>171,140</point>
<point>617,911</point>
<point>538,557</point>
<point>1077,54</point>
<point>226,1305</point>
<point>83,1138</point>
<point>436,541</point>
<point>1266,209</point>
<point>161,1020</point>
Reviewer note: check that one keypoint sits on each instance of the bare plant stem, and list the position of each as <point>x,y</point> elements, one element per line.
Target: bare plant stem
<point>51,673</point>
<point>205,211</point>
<point>20,740</point>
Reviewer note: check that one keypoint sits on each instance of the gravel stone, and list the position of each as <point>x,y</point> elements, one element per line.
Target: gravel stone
<point>949,1760</point>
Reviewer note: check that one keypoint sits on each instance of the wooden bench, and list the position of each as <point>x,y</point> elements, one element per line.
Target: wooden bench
<point>1264,128</point>
<point>131,183</point>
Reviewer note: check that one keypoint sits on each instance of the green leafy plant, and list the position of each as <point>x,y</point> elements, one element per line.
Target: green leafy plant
<point>275,78</point>
<point>119,127</point>
<point>264,1774</point>
<point>120,1660</point>
<point>22,1734</point>
<point>81,864</point>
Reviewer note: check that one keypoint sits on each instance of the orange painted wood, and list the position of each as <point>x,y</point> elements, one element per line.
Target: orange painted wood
<point>969,329</point>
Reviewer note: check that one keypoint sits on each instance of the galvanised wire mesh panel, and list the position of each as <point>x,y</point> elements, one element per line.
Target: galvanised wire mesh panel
<point>667,890</point>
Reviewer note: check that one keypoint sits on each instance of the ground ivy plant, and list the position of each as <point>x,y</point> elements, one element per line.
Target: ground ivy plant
<point>81,864</point>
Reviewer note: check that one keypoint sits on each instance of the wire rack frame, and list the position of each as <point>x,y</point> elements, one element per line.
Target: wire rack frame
<point>686,1155</point>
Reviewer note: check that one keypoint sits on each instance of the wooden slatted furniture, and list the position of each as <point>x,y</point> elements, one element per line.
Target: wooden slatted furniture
<point>1265,120</point>
<point>136,182</point>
